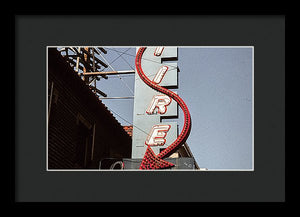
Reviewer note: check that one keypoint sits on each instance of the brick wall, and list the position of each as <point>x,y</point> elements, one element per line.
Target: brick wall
<point>78,119</point>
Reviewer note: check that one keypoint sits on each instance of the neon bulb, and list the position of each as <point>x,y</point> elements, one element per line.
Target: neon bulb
<point>150,160</point>
<point>157,135</point>
<point>160,102</point>
<point>158,51</point>
<point>160,74</point>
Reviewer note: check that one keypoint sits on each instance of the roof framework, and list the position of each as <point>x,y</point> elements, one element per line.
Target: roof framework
<point>89,67</point>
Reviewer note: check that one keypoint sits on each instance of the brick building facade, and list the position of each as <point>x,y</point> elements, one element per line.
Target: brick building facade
<point>81,130</point>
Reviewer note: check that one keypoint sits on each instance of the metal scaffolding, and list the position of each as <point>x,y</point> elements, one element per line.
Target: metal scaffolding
<point>89,67</point>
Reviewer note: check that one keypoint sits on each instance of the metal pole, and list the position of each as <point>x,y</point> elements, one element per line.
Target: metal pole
<point>94,68</point>
<point>85,60</point>
<point>126,97</point>
<point>77,62</point>
<point>109,73</point>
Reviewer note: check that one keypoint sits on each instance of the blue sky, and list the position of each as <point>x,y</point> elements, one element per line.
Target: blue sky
<point>216,84</point>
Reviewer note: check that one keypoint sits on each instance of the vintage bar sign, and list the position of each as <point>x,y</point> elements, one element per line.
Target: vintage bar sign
<point>158,134</point>
<point>151,106</point>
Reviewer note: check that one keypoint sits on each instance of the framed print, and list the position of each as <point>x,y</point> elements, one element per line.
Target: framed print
<point>191,106</point>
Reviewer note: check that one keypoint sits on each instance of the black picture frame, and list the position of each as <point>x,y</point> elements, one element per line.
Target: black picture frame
<point>32,33</point>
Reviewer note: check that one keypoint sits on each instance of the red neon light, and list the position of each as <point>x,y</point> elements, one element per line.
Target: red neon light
<point>150,160</point>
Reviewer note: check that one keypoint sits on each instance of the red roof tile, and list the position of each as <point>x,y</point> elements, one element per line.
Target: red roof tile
<point>128,129</point>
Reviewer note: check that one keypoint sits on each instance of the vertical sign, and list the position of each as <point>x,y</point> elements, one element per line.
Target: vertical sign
<point>151,108</point>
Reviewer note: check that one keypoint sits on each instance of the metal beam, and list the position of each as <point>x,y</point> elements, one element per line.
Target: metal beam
<point>98,91</point>
<point>109,73</point>
<point>82,58</point>
<point>102,49</point>
<point>91,56</point>
<point>121,97</point>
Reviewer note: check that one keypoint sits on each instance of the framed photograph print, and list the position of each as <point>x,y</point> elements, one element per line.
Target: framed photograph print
<point>122,108</point>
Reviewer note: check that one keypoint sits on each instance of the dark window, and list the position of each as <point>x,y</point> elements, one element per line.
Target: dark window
<point>83,146</point>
